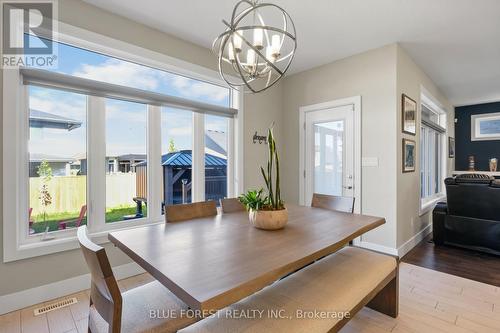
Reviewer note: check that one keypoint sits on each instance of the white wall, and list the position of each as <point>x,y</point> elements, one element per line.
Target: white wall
<point>380,76</point>
<point>410,79</point>
<point>373,76</point>
<point>261,111</point>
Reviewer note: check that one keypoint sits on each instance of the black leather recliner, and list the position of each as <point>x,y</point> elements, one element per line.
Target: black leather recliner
<point>471,216</point>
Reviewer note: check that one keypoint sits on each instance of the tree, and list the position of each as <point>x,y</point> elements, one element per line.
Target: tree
<point>44,171</point>
<point>171,146</point>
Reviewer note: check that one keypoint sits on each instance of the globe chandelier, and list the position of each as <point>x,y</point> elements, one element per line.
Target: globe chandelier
<point>257,47</point>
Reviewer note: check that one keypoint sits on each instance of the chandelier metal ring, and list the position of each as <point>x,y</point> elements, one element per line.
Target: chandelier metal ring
<point>261,69</point>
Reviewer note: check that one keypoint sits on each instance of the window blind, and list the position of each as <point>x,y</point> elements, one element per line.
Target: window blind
<point>48,79</point>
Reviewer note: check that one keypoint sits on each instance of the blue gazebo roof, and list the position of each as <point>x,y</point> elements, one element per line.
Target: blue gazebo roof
<point>183,158</point>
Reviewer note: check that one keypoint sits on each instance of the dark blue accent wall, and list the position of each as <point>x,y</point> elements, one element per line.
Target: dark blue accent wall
<point>464,147</point>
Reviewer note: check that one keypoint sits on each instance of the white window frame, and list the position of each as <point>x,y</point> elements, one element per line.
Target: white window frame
<point>427,204</point>
<point>17,243</point>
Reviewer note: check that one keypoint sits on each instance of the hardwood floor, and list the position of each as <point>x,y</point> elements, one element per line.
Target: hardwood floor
<point>456,261</point>
<point>430,301</point>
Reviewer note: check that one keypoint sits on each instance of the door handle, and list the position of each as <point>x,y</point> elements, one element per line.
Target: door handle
<point>348,187</point>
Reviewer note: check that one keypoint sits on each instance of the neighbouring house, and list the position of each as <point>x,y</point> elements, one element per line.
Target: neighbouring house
<point>42,119</point>
<point>124,163</point>
<point>61,165</point>
<point>116,164</point>
<point>216,143</point>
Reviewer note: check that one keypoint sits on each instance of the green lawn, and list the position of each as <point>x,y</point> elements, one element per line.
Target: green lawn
<point>112,215</point>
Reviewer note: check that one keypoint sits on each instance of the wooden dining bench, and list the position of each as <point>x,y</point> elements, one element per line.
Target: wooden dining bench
<point>322,297</point>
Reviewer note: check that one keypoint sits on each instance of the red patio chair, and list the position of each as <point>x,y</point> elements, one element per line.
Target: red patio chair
<point>63,223</point>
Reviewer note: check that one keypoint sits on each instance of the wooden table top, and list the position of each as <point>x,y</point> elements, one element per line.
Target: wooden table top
<point>212,262</point>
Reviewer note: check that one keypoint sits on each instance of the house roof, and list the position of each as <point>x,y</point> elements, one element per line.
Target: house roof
<point>130,157</point>
<point>39,157</point>
<point>216,141</point>
<point>42,119</point>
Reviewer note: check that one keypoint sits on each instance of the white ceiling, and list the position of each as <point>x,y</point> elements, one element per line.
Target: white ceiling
<point>456,42</point>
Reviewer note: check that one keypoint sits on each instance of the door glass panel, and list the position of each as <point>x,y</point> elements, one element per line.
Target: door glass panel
<point>328,157</point>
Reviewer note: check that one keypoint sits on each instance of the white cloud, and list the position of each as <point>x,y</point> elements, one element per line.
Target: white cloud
<point>196,89</point>
<point>122,73</point>
<point>117,112</point>
<point>56,103</point>
<point>146,78</point>
<point>179,131</point>
<point>117,149</point>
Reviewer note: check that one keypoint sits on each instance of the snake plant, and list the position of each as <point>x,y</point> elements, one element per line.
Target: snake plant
<point>272,174</point>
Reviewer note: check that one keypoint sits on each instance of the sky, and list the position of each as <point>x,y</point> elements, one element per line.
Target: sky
<point>125,121</point>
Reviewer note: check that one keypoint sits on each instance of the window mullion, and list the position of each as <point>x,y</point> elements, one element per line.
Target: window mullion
<point>96,166</point>
<point>23,228</point>
<point>238,140</point>
<point>154,172</point>
<point>230,159</point>
<point>198,158</point>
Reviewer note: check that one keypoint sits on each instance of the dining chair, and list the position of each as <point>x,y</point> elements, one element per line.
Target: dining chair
<point>183,212</point>
<point>231,205</point>
<point>113,312</point>
<point>331,202</point>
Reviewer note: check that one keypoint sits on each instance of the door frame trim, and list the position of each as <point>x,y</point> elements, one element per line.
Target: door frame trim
<point>355,101</point>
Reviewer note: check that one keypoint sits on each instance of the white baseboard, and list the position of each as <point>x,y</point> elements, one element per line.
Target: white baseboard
<point>377,247</point>
<point>412,242</point>
<point>403,249</point>
<point>25,298</point>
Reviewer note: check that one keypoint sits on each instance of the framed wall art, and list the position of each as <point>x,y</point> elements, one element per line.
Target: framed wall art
<point>485,127</point>
<point>409,155</point>
<point>451,147</point>
<point>409,116</point>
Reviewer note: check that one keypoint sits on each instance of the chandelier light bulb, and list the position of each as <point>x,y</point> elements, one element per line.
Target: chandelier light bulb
<point>250,57</point>
<point>276,45</point>
<point>270,54</point>
<point>237,41</point>
<point>258,37</point>
<point>230,52</point>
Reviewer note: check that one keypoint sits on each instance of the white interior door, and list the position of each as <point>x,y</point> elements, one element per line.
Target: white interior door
<point>329,152</point>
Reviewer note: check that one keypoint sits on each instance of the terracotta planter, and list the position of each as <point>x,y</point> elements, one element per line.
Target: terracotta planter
<point>269,219</point>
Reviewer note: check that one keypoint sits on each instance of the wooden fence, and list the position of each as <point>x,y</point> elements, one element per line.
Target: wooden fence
<point>69,192</point>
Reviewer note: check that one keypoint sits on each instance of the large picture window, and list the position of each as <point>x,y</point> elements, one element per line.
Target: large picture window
<point>432,153</point>
<point>109,142</point>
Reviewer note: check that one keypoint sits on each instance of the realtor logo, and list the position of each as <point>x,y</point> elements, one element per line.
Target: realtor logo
<point>27,33</point>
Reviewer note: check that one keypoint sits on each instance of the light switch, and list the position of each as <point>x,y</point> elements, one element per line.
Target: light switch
<point>369,161</point>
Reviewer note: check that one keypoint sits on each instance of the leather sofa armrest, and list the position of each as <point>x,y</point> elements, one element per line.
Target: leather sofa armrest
<point>438,217</point>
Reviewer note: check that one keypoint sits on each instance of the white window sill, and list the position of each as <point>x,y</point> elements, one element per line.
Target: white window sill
<point>64,243</point>
<point>428,204</point>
